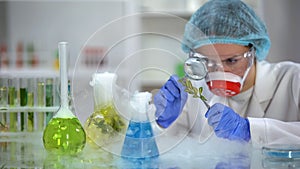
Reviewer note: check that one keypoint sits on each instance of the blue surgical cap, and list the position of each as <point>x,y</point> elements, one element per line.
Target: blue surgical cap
<point>226,22</point>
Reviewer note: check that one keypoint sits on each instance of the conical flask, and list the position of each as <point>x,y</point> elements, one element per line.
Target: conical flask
<point>64,133</point>
<point>105,125</point>
<point>139,143</point>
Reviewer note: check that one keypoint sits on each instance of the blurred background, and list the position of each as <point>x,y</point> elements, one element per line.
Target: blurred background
<point>31,30</point>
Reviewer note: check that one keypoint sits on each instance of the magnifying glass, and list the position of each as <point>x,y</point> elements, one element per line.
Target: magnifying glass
<point>195,66</point>
<point>195,69</point>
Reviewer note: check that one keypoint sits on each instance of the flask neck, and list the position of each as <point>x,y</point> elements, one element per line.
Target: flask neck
<point>63,54</point>
<point>140,105</point>
<point>102,96</point>
<point>102,84</point>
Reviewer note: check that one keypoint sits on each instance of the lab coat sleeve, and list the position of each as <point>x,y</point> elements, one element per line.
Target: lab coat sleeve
<point>270,131</point>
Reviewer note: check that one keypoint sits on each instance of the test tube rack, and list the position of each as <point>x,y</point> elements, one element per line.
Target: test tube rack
<point>28,100</point>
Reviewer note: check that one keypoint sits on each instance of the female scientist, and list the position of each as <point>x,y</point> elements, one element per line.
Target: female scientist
<point>260,101</point>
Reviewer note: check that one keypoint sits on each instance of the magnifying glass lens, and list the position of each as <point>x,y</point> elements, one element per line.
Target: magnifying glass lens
<point>195,68</point>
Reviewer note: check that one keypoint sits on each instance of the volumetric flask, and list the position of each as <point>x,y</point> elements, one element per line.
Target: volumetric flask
<point>64,133</point>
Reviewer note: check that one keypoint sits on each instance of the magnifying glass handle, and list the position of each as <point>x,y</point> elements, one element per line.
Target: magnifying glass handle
<point>206,104</point>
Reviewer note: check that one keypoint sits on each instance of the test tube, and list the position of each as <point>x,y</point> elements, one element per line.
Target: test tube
<point>49,98</point>
<point>30,103</point>
<point>27,149</point>
<point>3,100</point>
<point>23,101</point>
<point>12,85</point>
<point>40,103</point>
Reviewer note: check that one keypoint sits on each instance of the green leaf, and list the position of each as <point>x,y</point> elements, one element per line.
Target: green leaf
<point>180,80</point>
<point>2,167</point>
<point>189,84</point>
<point>190,89</point>
<point>195,90</point>
<point>203,98</point>
<point>200,90</point>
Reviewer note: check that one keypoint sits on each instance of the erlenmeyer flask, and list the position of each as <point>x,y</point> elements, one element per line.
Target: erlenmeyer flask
<point>105,125</point>
<point>64,133</point>
<point>139,143</point>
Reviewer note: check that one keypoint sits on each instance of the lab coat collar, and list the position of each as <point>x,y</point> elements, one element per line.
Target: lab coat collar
<point>264,77</point>
<point>263,91</point>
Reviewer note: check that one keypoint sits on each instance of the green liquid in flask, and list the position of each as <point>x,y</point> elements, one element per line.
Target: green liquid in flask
<point>64,133</point>
<point>64,136</point>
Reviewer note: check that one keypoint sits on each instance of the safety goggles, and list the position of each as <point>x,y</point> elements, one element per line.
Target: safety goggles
<point>234,63</point>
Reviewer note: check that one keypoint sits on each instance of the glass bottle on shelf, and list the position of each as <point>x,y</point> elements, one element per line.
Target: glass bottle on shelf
<point>4,61</point>
<point>19,53</point>
<point>64,133</point>
<point>32,57</point>
<point>104,126</point>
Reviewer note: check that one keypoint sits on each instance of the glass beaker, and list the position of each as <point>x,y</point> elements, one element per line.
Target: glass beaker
<point>139,143</point>
<point>64,133</point>
<point>104,125</point>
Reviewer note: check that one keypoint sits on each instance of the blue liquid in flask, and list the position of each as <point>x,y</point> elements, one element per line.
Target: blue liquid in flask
<point>139,142</point>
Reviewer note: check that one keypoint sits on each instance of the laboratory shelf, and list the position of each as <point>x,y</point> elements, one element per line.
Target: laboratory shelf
<point>29,73</point>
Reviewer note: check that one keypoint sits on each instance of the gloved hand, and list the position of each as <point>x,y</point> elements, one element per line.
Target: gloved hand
<point>227,123</point>
<point>169,102</point>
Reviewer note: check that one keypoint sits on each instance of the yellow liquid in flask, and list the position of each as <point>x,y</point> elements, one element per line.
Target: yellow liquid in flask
<point>105,125</point>
<point>64,136</point>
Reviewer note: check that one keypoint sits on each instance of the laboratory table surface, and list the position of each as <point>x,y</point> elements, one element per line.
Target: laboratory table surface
<point>26,151</point>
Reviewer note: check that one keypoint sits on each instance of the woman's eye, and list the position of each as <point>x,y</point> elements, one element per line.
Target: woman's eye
<point>231,60</point>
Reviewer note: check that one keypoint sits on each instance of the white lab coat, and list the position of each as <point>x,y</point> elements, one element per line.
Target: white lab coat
<point>273,110</point>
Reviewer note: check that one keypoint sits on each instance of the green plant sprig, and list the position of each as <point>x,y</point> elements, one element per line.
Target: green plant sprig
<point>190,89</point>
<point>2,166</point>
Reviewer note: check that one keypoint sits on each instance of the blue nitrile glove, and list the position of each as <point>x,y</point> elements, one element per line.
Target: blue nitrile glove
<point>227,123</point>
<point>169,102</point>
